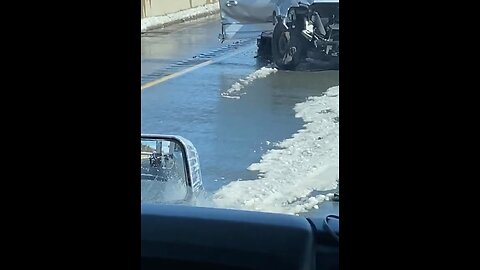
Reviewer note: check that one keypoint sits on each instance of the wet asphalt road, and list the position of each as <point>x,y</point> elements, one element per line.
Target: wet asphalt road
<point>229,134</point>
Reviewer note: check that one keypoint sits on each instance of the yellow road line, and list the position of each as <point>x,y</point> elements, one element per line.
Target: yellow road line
<point>184,71</point>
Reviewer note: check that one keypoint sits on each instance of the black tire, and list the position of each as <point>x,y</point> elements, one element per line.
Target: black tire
<point>282,40</point>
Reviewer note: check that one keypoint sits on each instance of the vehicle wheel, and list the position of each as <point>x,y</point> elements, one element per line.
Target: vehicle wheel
<point>283,41</point>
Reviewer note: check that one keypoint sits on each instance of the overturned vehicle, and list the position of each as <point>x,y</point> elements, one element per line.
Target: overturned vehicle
<point>308,33</point>
<point>288,32</point>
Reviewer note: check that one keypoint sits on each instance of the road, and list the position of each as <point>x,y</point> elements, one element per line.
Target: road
<point>186,75</point>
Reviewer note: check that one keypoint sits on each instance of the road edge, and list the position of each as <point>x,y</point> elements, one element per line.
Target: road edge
<point>150,23</point>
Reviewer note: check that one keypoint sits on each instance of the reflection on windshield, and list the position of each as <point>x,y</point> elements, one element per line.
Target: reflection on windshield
<point>163,175</point>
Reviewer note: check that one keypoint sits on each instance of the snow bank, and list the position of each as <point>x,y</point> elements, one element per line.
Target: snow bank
<point>180,16</point>
<point>303,164</point>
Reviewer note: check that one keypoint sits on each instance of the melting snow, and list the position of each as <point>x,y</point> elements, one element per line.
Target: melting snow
<point>234,90</point>
<point>301,165</point>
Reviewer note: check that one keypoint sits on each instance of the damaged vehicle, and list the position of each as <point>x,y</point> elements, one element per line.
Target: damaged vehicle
<point>307,33</point>
<point>288,32</point>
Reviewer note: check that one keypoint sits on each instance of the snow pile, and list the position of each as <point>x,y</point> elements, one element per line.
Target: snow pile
<point>180,16</point>
<point>290,176</point>
<point>233,92</point>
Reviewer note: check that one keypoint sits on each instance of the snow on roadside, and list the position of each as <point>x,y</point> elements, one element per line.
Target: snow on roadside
<point>290,176</point>
<point>180,16</point>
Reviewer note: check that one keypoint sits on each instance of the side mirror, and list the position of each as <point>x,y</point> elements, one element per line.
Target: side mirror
<point>170,169</point>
